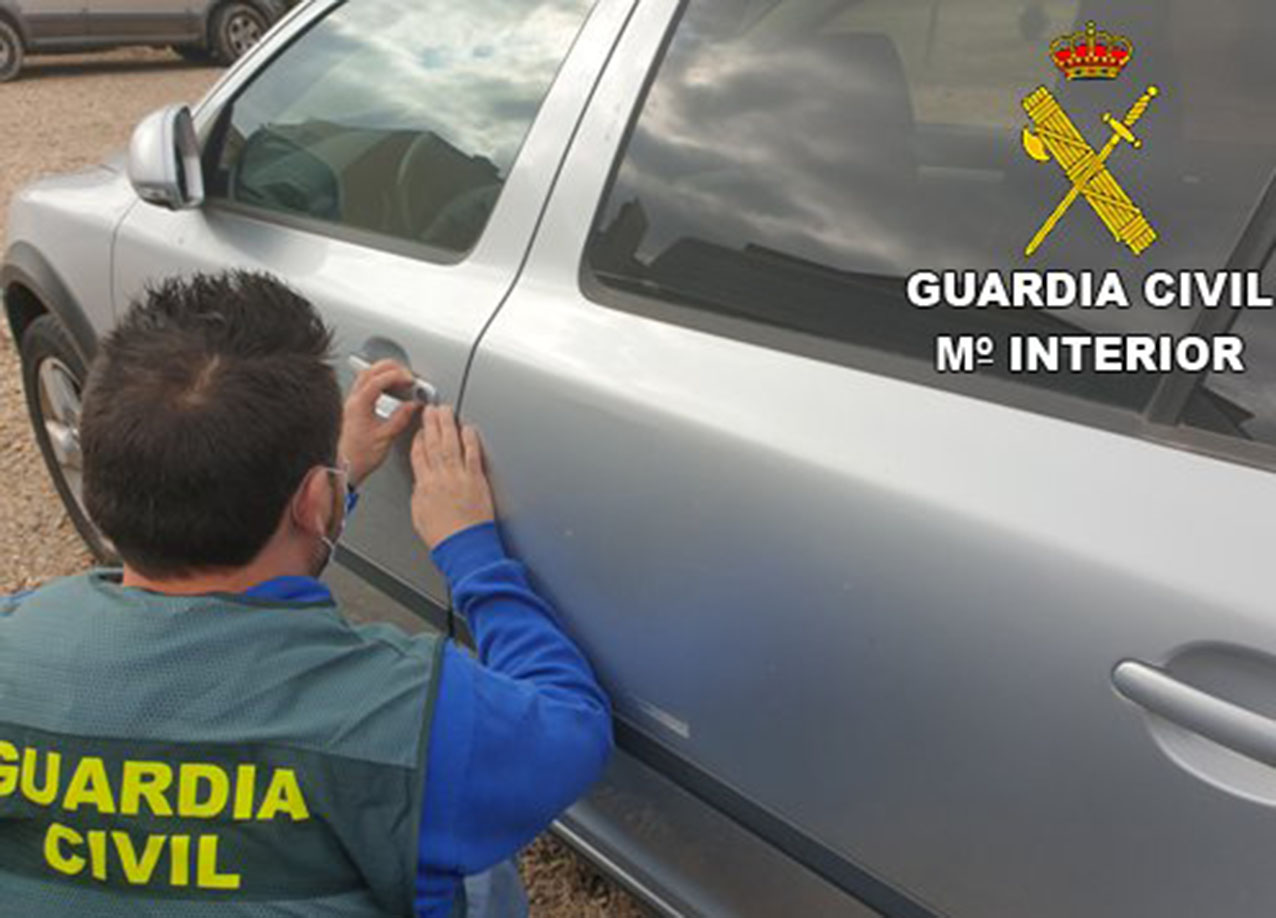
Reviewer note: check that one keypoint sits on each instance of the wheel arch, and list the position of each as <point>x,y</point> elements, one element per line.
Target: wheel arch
<point>33,288</point>
<point>271,9</point>
<point>9,13</point>
<point>210,14</point>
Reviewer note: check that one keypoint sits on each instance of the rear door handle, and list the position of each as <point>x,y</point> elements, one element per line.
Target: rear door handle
<point>1239,729</point>
<point>416,391</point>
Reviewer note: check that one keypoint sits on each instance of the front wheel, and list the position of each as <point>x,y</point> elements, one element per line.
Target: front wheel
<point>53,376</point>
<point>236,28</point>
<point>11,52</point>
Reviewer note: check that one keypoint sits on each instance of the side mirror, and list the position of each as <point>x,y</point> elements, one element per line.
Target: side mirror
<point>163,159</point>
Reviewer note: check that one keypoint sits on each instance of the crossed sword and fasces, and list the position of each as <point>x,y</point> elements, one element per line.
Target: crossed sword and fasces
<point>1053,135</point>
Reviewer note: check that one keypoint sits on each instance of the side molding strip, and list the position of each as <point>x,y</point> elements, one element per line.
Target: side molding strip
<point>780,834</point>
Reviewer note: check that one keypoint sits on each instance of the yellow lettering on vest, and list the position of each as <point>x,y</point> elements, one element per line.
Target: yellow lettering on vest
<point>44,796</point>
<point>138,871</point>
<point>8,773</point>
<point>245,789</point>
<point>145,781</point>
<point>55,852</point>
<point>190,777</point>
<point>90,785</point>
<point>206,873</point>
<point>284,796</point>
<point>179,852</point>
<point>97,854</point>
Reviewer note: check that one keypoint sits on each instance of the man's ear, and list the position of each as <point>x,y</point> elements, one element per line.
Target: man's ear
<point>311,505</point>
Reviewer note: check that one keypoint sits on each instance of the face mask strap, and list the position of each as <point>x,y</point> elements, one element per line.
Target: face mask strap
<point>330,540</point>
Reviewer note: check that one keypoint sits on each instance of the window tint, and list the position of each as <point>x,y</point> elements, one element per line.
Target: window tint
<point>793,161</point>
<point>402,118</point>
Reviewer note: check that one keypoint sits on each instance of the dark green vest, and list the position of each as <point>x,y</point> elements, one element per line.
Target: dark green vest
<point>207,756</point>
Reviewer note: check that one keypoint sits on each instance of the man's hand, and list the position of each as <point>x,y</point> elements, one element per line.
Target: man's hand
<point>451,491</point>
<point>365,437</point>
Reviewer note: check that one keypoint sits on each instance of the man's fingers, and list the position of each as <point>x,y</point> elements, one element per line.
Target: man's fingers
<point>449,439</point>
<point>473,449</point>
<point>440,440</point>
<point>382,375</point>
<point>398,422</point>
<point>361,378</point>
<point>432,435</point>
<point>381,366</point>
<point>420,464</point>
<point>386,377</point>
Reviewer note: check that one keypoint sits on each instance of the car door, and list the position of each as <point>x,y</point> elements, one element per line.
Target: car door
<point>53,21</point>
<point>389,160</point>
<point>141,20</point>
<point>977,644</point>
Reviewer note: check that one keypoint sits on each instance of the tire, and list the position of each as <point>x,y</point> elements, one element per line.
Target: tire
<point>53,376</point>
<point>236,27</point>
<point>11,51</point>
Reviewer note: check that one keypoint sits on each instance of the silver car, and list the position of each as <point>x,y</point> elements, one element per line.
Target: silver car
<point>882,639</point>
<point>220,30</point>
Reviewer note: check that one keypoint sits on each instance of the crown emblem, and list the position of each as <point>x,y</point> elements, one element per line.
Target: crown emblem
<point>1092,54</point>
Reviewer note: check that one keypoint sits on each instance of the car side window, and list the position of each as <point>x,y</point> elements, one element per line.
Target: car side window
<point>794,162</point>
<point>394,117</point>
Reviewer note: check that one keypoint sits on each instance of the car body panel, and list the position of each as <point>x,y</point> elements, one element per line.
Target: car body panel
<point>141,20</point>
<point>833,593</point>
<point>48,21</point>
<point>669,848</point>
<point>70,220</point>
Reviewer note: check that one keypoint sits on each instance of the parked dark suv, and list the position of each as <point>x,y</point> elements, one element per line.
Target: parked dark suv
<point>219,30</point>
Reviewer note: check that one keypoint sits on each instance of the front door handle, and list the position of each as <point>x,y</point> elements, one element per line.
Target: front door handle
<point>416,391</point>
<point>1239,729</point>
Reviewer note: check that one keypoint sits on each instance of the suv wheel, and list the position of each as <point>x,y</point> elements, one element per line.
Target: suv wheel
<point>53,376</point>
<point>236,28</point>
<point>10,51</point>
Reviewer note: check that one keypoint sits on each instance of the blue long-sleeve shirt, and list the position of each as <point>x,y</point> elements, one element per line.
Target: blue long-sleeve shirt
<point>518,733</point>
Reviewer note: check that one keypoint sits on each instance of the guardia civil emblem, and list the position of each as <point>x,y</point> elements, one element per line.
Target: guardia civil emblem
<point>1090,55</point>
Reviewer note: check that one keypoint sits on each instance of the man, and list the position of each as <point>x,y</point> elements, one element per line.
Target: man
<point>203,734</point>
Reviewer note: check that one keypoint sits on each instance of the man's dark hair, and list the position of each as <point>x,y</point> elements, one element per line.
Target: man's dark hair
<point>204,410</point>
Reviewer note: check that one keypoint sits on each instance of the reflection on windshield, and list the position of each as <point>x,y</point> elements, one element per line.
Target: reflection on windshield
<point>793,160</point>
<point>831,139</point>
<point>403,119</point>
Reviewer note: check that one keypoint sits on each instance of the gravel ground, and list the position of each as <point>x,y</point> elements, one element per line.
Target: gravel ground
<point>68,112</point>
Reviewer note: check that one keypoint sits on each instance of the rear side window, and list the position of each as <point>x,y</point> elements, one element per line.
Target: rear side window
<point>793,162</point>
<point>400,118</point>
